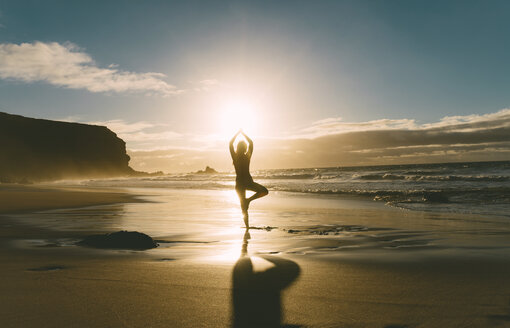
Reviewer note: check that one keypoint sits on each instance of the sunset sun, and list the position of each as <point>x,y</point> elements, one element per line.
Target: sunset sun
<point>237,114</point>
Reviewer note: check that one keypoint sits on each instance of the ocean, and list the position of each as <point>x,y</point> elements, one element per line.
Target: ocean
<point>481,188</point>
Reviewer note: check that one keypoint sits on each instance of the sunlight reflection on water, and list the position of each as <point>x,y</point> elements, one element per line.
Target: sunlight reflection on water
<point>207,225</point>
<point>169,214</point>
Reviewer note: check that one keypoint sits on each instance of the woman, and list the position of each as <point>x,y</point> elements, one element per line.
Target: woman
<point>241,158</point>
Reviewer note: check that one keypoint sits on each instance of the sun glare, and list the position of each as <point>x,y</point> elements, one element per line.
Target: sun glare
<point>238,114</point>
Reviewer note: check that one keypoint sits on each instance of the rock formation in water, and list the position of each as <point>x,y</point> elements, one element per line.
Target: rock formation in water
<point>208,170</point>
<point>34,150</point>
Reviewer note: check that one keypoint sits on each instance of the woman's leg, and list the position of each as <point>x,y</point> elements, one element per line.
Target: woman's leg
<point>260,191</point>
<point>241,192</point>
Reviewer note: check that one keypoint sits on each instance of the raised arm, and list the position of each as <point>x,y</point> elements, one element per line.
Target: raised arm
<point>231,144</point>
<point>250,144</point>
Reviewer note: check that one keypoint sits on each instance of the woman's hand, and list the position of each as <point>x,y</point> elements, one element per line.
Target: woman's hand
<point>247,138</point>
<point>235,135</point>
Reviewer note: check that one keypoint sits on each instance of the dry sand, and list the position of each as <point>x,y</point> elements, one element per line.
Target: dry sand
<point>42,285</point>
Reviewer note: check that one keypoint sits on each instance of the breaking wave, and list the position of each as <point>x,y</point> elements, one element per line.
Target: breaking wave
<point>481,188</point>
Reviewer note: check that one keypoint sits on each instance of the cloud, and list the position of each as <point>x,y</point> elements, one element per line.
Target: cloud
<point>473,122</point>
<point>209,82</point>
<point>67,66</point>
<point>148,137</point>
<point>457,138</point>
<point>140,134</point>
<point>336,125</point>
<point>205,85</point>
<point>122,127</point>
<point>137,135</point>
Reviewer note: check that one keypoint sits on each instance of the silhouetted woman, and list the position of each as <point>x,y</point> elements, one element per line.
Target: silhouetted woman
<point>241,158</point>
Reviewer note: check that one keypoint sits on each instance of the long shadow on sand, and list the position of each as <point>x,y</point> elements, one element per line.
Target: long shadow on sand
<point>256,296</point>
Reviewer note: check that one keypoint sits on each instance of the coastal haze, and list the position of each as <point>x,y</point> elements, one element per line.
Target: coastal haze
<point>381,130</point>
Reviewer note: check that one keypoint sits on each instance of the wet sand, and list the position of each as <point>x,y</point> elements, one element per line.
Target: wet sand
<point>20,198</point>
<point>326,263</point>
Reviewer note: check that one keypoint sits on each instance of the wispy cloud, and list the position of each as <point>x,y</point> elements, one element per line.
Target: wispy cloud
<point>122,127</point>
<point>205,85</point>
<point>68,66</point>
<point>332,142</point>
<point>472,122</point>
<point>336,125</point>
<point>147,137</point>
<point>140,133</point>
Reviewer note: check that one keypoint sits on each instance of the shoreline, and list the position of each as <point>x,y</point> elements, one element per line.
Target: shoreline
<point>286,223</point>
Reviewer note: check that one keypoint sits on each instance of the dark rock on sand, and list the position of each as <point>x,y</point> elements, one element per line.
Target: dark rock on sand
<point>120,240</point>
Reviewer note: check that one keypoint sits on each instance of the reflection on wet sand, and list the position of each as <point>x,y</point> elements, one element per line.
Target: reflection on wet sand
<point>100,218</point>
<point>256,296</point>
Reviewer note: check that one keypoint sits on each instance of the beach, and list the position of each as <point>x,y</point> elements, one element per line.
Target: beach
<point>311,261</point>
<point>254,164</point>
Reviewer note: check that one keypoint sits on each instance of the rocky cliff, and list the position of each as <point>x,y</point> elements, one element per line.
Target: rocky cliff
<point>42,150</point>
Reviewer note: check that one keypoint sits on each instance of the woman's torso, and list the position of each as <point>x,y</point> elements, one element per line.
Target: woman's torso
<point>242,167</point>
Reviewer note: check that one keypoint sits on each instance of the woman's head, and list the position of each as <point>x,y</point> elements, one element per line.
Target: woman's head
<point>241,147</point>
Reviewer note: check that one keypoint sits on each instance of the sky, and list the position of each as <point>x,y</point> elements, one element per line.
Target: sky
<point>315,83</point>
